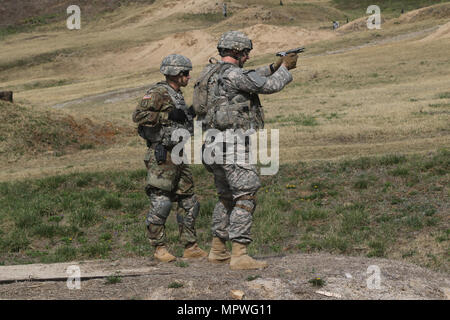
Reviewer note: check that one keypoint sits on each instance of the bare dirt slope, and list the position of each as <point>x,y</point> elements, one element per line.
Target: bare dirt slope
<point>442,33</point>
<point>286,278</point>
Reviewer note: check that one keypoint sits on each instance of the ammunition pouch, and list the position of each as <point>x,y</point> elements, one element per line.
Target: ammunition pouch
<point>233,116</point>
<point>149,133</point>
<point>160,153</point>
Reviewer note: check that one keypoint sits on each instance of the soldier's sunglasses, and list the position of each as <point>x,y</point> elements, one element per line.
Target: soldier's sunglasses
<point>184,73</point>
<point>246,52</point>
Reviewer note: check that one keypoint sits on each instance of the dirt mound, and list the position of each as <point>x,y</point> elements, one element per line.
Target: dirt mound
<point>269,38</point>
<point>23,131</point>
<point>197,45</point>
<point>439,11</point>
<point>442,33</point>
<point>357,25</point>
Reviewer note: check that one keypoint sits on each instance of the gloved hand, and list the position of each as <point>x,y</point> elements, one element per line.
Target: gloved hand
<point>177,115</point>
<point>276,64</point>
<point>290,61</point>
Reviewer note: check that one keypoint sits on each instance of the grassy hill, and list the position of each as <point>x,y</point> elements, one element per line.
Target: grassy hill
<point>392,206</point>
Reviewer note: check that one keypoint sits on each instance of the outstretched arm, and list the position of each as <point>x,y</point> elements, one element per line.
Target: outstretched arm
<point>252,81</point>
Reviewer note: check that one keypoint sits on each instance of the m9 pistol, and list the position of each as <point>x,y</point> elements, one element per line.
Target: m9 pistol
<point>296,50</point>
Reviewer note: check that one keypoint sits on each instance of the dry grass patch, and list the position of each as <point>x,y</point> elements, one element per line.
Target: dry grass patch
<point>26,132</point>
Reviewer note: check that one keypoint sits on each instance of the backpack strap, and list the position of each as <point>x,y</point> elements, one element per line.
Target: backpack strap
<point>223,68</point>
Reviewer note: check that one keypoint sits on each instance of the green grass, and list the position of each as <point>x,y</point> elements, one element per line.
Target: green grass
<point>297,119</point>
<point>251,278</point>
<point>113,279</point>
<point>317,282</point>
<point>439,105</point>
<point>364,206</point>
<point>28,24</point>
<point>46,84</point>
<point>175,285</point>
<point>37,59</point>
<point>182,264</point>
<point>444,95</point>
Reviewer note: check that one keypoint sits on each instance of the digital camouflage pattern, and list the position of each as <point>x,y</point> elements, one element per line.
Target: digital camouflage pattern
<point>173,64</point>
<point>233,101</point>
<point>235,40</point>
<point>233,214</point>
<point>237,185</point>
<point>166,182</point>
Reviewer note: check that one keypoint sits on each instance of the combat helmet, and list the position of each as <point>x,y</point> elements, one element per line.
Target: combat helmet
<point>235,40</point>
<point>173,64</point>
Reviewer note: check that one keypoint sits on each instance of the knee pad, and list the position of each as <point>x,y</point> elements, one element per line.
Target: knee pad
<point>163,208</point>
<point>159,211</point>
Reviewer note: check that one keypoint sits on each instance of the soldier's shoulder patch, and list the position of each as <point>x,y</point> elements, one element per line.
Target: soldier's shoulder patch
<point>232,73</point>
<point>147,97</point>
<point>257,79</point>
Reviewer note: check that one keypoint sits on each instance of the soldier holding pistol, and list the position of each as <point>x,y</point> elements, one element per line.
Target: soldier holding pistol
<point>232,103</point>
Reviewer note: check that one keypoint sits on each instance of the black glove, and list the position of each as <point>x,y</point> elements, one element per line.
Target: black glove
<point>177,115</point>
<point>191,111</point>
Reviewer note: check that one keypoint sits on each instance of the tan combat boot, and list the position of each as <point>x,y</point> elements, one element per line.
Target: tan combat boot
<point>163,255</point>
<point>194,251</point>
<point>218,252</point>
<point>240,260</point>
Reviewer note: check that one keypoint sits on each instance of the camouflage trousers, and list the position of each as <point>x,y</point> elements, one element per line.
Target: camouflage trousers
<point>233,214</point>
<point>167,183</point>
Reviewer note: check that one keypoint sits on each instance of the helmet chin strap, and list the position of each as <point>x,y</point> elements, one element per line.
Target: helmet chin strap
<point>174,81</point>
<point>237,55</point>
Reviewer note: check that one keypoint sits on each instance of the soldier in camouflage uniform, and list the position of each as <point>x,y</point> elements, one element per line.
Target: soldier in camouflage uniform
<point>161,111</point>
<point>233,95</point>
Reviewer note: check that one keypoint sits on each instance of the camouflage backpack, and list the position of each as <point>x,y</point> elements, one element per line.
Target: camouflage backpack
<point>202,90</point>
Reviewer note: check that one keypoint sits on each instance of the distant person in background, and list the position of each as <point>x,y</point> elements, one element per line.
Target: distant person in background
<point>403,11</point>
<point>347,19</point>
<point>224,10</point>
<point>335,25</point>
<point>281,3</point>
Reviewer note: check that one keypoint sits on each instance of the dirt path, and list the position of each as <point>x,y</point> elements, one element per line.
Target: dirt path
<point>400,37</point>
<point>286,278</point>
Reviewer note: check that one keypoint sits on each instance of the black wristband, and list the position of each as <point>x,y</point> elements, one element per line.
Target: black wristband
<point>271,68</point>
